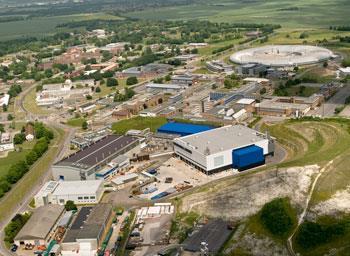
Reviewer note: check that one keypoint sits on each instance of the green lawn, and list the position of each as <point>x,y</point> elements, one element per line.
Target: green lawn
<point>76,122</point>
<point>138,123</point>
<point>15,156</point>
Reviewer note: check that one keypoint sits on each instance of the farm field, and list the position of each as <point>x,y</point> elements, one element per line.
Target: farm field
<point>38,27</point>
<point>301,14</point>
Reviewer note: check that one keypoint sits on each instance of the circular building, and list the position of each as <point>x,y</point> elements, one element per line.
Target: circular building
<point>282,55</point>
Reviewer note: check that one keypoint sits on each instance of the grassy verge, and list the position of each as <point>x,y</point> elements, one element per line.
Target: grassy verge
<point>24,186</point>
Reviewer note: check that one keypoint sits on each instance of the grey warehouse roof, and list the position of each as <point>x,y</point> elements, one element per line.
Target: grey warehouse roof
<point>97,152</point>
<point>40,223</point>
<point>221,139</point>
<point>89,223</point>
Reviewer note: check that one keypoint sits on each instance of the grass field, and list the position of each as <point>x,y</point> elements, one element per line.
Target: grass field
<point>312,13</point>
<point>138,123</point>
<point>76,122</point>
<point>15,156</point>
<point>45,25</point>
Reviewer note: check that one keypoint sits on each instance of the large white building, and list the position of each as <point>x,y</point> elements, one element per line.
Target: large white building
<point>233,146</point>
<point>80,192</point>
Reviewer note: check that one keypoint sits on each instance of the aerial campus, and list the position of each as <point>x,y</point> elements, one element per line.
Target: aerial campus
<point>174,127</point>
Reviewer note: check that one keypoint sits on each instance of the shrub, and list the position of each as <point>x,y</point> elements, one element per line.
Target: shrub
<point>276,218</point>
<point>131,80</point>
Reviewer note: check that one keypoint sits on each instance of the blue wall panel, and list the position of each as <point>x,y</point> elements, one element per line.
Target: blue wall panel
<point>247,157</point>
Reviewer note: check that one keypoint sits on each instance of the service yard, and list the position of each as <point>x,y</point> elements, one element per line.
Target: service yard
<point>183,176</point>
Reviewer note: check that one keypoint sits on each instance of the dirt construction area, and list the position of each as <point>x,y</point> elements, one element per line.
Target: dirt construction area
<point>240,197</point>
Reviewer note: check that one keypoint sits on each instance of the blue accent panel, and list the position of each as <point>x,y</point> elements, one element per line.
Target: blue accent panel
<point>247,157</point>
<point>183,129</point>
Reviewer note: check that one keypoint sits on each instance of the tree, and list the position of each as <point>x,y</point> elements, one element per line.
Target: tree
<point>111,82</point>
<point>31,157</point>
<point>88,97</point>
<point>98,89</point>
<point>2,128</point>
<point>70,206</point>
<point>167,78</point>
<point>131,80</point>
<point>10,117</point>
<point>84,125</point>
<point>48,73</point>
<point>4,108</point>
<point>325,64</point>
<point>19,138</point>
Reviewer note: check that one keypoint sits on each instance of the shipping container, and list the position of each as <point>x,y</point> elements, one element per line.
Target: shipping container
<point>247,157</point>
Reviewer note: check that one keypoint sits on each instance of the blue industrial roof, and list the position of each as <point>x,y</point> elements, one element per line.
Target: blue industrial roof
<point>184,129</point>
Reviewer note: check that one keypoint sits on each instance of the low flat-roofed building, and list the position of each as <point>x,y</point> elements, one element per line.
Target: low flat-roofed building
<point>40,227</point>
<point>288,106</point>
<point>87,231</point>
<point>80,192</point>
<point>165,87</point>
<point>120,181</point>
<point>219,66</point>
<point>186,57</point>
<point>87,108</point>
<point>185,79</point>
<point>84,164</point>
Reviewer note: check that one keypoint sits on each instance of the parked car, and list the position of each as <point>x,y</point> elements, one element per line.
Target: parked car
<point>14,248</point>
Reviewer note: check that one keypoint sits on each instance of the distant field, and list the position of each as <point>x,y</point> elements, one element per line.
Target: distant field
<point>44,26</point>
<point>298,13</point>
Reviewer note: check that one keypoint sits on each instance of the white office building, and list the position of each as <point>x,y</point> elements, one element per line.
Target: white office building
<point>80,192</point>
